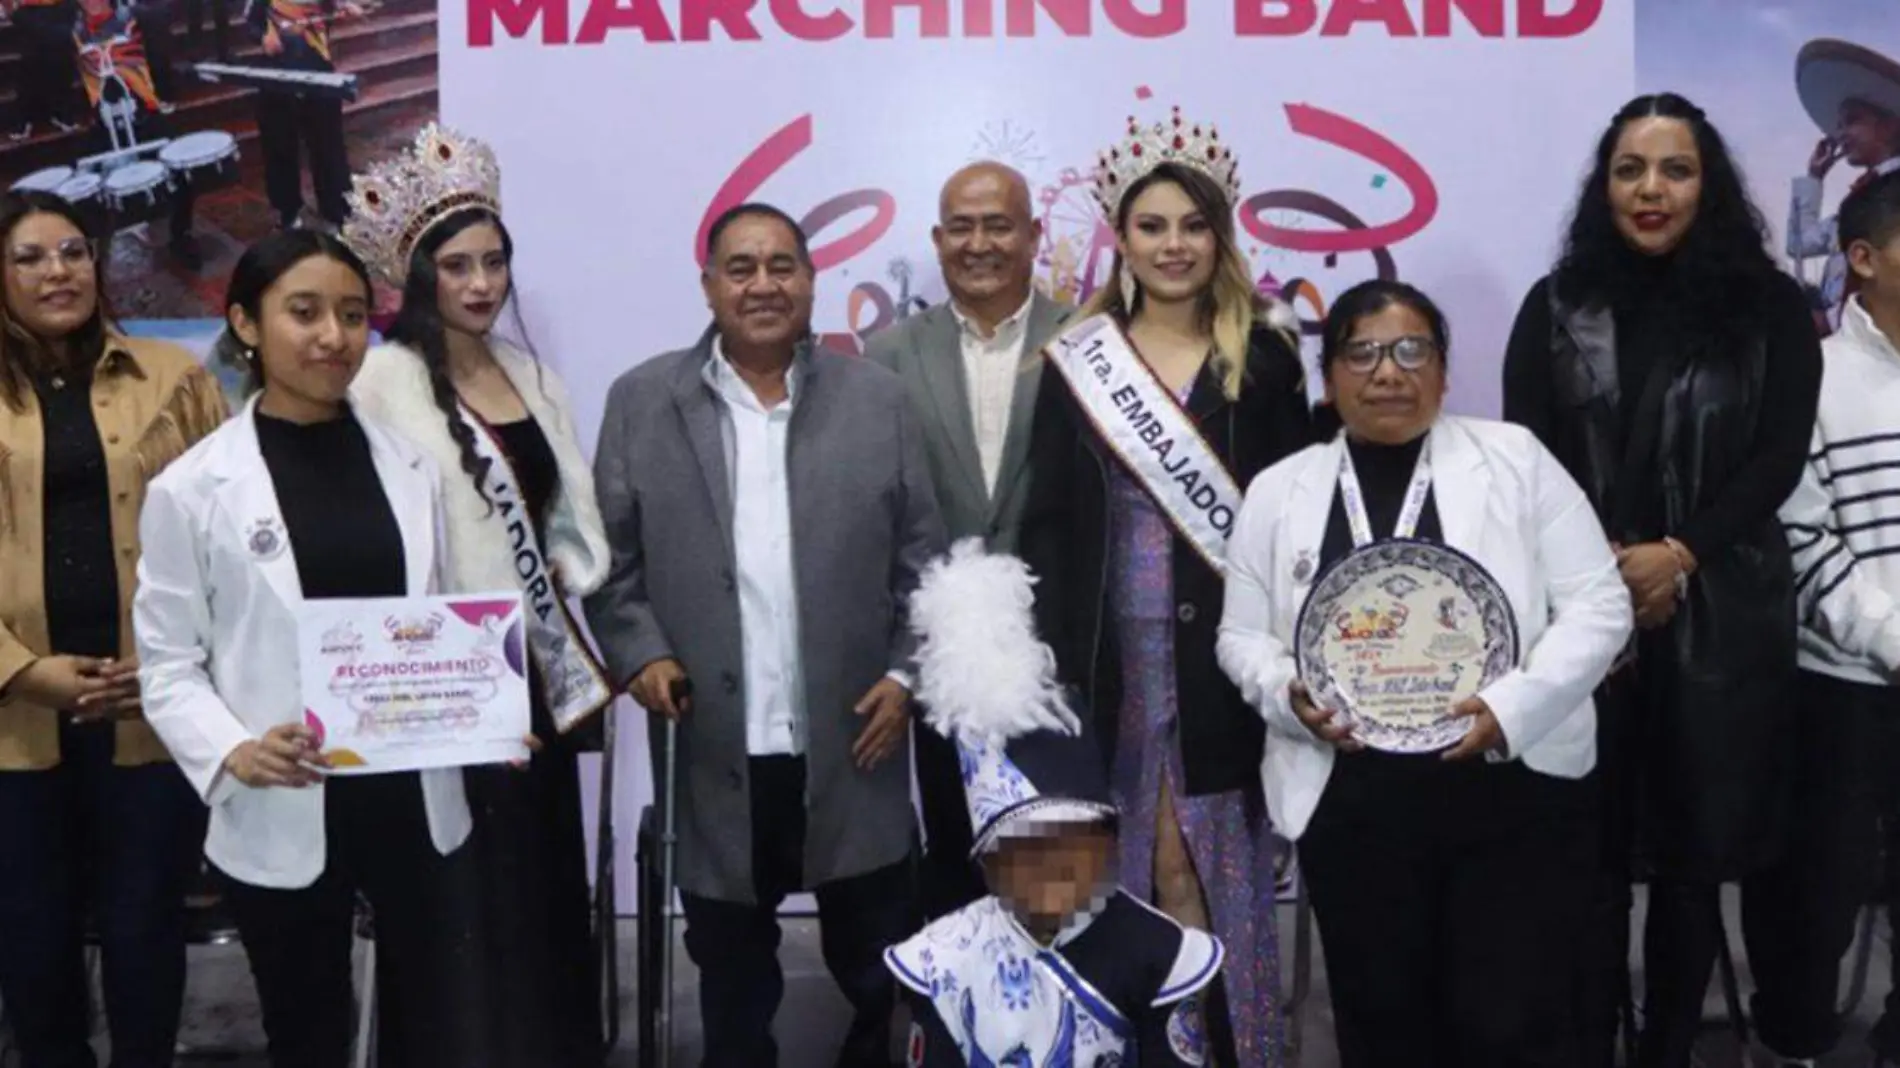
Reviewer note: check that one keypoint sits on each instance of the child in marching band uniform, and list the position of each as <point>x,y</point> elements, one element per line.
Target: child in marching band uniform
<point>1059,966</point>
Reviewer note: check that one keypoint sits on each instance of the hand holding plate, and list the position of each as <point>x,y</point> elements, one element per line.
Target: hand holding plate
<point>1485,734</point>
<point>1321,722</point>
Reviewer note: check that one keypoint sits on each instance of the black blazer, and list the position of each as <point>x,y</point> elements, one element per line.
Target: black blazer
<point>1065,540</point>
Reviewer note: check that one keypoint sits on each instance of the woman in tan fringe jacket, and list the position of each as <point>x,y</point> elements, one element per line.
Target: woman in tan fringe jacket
<point>98,829</point>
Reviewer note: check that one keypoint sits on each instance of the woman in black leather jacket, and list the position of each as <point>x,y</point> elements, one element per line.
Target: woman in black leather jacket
<point>1129,603</point>
<point>1675,372</point>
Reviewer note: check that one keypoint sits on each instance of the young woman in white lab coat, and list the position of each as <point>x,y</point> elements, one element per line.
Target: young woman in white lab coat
<point>298,498</point>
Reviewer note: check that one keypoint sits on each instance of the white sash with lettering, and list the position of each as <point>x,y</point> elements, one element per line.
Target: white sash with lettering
<point>575,685</point>
<point>1150,432</point>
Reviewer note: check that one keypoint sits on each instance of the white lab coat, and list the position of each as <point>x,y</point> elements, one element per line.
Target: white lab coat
<point>1504,500</point>
<point>216,629</point>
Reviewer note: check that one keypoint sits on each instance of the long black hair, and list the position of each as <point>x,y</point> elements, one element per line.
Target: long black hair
<point>257,270</point>
<point>1716,278</point>
<point>419,326</point>
<point>20,352</point>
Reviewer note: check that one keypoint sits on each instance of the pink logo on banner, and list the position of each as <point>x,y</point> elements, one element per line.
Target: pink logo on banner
<point>1078,244</point>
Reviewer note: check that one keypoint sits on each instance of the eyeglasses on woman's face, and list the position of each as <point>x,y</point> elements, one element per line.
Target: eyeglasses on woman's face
<point>1411,353</point>
<point>34,260</point>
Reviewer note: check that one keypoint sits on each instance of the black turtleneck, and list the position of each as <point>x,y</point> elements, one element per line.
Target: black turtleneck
<point>1646,334</point>
<point>341,526</point>
<point>1385,473</point>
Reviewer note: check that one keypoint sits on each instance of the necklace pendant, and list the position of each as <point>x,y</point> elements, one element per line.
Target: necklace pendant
<point>58,382</point>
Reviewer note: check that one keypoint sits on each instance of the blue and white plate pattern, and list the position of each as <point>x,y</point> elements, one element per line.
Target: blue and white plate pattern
<point>1396,634</point>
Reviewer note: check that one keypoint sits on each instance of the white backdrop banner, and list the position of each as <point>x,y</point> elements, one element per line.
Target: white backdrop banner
<point>1436,141</point>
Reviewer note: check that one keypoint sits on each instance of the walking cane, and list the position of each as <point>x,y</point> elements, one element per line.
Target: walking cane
<point>680,690</point>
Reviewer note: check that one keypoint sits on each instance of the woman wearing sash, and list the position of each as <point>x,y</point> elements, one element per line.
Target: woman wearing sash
<point>300,498</point>
<point>519,501</point>
<point>1172,389</point>
<point>1449,885</point>
<point>1675,372</point>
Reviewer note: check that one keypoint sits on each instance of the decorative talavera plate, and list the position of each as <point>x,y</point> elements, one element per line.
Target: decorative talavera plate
<point>1396,634</point>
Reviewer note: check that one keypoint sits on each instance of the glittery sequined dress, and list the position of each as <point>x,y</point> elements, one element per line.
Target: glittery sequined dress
<point>1229,841</point>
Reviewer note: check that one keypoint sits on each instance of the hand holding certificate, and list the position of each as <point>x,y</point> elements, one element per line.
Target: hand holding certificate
<point>404,684</point>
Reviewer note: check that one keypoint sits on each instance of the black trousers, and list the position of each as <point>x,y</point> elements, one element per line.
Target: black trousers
<point>120,844</point>
<point>1605,978</point>
<point>299,941</point>
<point>1798,916</point>
<point>220,19</point>
<point>1683,935</point>
<point>48,62</point>
<point>155,20</point>
<point>949,879</point>
<point>735,946</point>
<point>287,128</point>
<point>1449,899</point>
<point>1885,1038</point>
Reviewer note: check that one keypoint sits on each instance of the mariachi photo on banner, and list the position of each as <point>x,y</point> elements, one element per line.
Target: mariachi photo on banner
<point>1809,99</point>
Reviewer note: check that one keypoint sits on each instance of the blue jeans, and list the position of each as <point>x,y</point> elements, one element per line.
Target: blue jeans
<point>89,845</point>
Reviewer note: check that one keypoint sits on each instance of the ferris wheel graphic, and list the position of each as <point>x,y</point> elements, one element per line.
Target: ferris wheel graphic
<point>1078,245</point>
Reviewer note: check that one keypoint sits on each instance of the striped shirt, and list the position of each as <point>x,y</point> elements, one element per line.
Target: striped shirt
<point>1843,519</point>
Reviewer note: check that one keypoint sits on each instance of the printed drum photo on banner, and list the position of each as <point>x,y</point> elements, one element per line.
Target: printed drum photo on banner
<point>184,146</point>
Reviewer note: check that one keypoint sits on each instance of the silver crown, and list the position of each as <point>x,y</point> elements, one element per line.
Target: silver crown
<point>395,202</point>
<point>1174,140</point>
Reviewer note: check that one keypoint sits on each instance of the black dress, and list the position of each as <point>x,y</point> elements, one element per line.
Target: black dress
<point>531,860</point>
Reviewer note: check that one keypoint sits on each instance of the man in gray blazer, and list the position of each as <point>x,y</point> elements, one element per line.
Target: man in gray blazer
<point>971,370</point>
<point>769,512</point>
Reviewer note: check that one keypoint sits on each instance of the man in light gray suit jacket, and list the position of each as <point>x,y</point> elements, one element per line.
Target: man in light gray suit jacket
<point>971,370</point>
<point>769,512</point>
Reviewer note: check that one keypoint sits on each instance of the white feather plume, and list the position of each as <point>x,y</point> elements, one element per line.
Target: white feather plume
<point>1281,315</point>
<point>982,673</point>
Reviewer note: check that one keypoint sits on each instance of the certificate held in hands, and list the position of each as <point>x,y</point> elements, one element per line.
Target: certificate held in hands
<point>409,683</point>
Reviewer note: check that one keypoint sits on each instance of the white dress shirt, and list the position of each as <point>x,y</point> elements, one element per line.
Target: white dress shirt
<point>990,365</point>
<point>754,438</point>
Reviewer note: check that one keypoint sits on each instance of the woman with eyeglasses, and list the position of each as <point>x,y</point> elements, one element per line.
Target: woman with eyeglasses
<point>1448,884</point>
<point>97,826</point>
